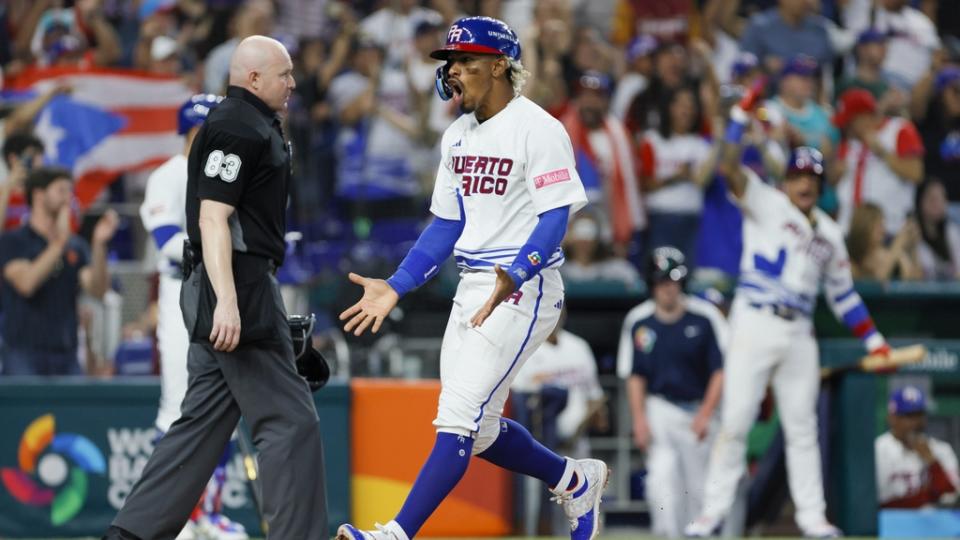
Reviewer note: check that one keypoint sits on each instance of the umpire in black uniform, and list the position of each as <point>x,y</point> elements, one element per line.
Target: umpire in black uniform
<point>241,355</point>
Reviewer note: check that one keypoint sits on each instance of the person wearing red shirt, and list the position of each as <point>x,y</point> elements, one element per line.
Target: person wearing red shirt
<point>881,160</point>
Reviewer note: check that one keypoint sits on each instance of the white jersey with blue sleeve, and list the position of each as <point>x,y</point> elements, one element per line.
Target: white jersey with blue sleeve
<point>503,173</point>
<point>164,216</point>
<point>163,211</point>
<point>785,254</point>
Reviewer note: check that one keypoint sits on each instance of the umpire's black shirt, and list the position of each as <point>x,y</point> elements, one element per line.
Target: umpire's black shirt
<point>240,158</point>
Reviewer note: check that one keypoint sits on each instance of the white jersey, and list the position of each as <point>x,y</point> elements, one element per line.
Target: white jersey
<point>164,207</point>
<point>785,257</point>
<point>505,172</point>
<point>164,216</point>
<point>567,364</point>
<point>901,471</point>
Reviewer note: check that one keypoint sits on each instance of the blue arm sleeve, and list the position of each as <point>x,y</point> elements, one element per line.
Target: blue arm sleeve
<point>422,262</point>
<point>543,241</point>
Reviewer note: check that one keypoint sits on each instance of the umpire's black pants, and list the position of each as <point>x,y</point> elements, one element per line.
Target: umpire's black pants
<point>260,382</point>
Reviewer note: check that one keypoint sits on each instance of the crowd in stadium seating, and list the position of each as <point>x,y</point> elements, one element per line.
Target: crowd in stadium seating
<point>641,86</point>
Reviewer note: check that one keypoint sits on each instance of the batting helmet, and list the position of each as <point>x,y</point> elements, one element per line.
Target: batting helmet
<point>195,111</point>
<point>484,35</point>
<point>805,159</point>
<point>666,263</point>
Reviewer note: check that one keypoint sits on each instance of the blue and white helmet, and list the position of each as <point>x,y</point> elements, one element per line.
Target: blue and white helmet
<point>482,35</point>
<point>195,111</point>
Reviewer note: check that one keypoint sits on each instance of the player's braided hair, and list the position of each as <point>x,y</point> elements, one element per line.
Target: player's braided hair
<point>516,75</point>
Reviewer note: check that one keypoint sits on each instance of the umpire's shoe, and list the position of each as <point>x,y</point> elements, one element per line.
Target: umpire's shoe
<point>390,531</point>
<point>116,533</point>
<point>581,503</point>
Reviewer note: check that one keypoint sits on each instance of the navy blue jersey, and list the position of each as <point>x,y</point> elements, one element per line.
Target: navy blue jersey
<point>676,359</point>
<point>47,320</point>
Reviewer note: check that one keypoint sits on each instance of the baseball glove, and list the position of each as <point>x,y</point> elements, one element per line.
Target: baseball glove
<point>311,365</point>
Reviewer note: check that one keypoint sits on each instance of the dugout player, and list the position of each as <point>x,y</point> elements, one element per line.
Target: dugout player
<point>241,355</point>
<point>505,187</point>
<point>163,215</point>
<point>913,469</point>
<point>671,354</point>
<point>789,247</point>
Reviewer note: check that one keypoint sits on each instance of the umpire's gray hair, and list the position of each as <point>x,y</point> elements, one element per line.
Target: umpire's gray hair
<point>516,75</point>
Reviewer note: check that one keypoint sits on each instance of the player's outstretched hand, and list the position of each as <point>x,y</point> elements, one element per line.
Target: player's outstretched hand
<point>378,300</point>
<point>503,288</point>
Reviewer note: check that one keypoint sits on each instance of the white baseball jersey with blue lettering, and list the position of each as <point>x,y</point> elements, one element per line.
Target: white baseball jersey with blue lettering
<point>507,170</point>
<point>164,206</point>
<point>503,173</point>
<point>785,257</point>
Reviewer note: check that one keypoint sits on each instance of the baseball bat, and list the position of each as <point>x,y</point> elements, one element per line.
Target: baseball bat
<point>252,471</point>
<point>871,363</point>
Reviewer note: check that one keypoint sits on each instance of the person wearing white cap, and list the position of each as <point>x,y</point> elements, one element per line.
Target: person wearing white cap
<point>913,469</point>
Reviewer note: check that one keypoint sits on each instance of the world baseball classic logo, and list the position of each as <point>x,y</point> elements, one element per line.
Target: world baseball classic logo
<point>53,469</point>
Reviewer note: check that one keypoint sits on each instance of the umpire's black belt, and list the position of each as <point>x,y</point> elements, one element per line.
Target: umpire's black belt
<point>245,265</point>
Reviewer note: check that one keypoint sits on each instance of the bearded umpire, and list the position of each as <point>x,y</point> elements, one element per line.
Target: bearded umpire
<point>241,358</point>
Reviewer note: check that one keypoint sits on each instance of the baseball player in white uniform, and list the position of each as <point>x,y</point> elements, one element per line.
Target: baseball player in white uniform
<point>913,469</point>
<point>505,189</point>
<point>789,247</point>
<point>164,216</point>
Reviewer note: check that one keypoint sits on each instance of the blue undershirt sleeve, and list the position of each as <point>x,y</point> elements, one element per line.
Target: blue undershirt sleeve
<point>543,241</point>
<point>423,261</point>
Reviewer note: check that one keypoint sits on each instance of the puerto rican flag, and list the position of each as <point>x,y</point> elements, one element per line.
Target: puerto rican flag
<point>114,121</point>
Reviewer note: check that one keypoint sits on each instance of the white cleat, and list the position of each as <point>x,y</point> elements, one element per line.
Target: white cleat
<point>582,503</point>
<point>390,531</point>
<point>189,532</point>
<point>824,529</point>
<point>702,527</point>
<point>219,527</point>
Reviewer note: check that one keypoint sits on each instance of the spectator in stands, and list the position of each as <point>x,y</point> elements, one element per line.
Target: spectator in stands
<point>939,247</point>
<point>254,17</point>
<point>566,361</point>
<point>880,161</point>
<point>671,355</point>
<point>392,28</point>
<point>666,20</point>
<point>870,52</point>
<point>639,60</point>
<point>807,122</point>
<point>913,469</point>
<point>430,112</point>
<point>378,130</point>
<point>870,258</point>
<point>79,36</point>
<point>605,161</point>
<point>790,29</point>
<point>164,56</point>
<point>589,258</point>
<point>671,70</point>
<point>157,20</point>
<point>547,45</point>
<point>674,168</point>
<point>22,153</point>
<point>913,40</point>
<point>937,113</point>
<point>44,266</point>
